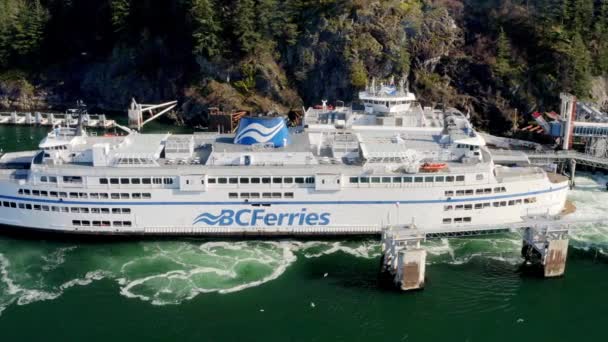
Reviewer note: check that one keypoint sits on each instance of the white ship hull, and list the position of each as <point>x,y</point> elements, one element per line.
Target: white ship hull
<point>356,210</point>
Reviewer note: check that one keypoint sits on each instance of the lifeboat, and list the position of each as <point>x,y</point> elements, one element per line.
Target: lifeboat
<point>432,167</point>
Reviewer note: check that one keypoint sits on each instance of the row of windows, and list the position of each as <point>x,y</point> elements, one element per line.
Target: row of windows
<point>426,179</point>
<point>66,179</point>
<point>457,220</point>
<point>261,180</point>
<point>84,223</point>
<point>136,181</point>
<point>488,204</point>
<point>84,195</point>
<point>485,191</point>
<point>256,195</point>
<point>75,210</point>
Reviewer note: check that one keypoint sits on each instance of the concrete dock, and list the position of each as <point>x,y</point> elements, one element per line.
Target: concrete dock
<point>54,119</point>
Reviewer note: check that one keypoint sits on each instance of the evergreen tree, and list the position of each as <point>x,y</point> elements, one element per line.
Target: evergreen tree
<point>120,14</point>
<point>244,25</point>
<point>580,65</point>
<point>207,29</point>
<point>503,54</point>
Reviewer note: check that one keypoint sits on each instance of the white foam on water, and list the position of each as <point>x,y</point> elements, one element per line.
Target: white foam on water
<point>164,273</point>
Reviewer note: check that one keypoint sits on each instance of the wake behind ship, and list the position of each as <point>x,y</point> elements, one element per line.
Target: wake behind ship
<point>341,172</point>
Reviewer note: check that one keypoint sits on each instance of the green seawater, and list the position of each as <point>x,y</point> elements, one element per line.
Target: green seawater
<point>289,290</point>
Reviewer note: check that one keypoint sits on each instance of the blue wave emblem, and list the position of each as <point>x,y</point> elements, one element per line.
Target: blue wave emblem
<point>213,220</point>
<point>262,130</point>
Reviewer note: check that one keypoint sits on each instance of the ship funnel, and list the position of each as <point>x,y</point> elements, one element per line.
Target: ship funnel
<point>262,130</point>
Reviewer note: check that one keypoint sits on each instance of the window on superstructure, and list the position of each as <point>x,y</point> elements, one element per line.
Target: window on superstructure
<point>96,223</point>
<point>125,181</point>
<point>440,179</point>
<point>21,205</point>
<point>83,195</point>
<point>115,210</point>
<point>211,180</point>
<point>114,196</point>
<point>429,179</point>
<point>364,179</point>
<point>114,181</point>
<point>14,205</point>
<point>449,178</point>
<point>222,181</point>
<point>460,178</point>
<point>105,210</point>
<point>503,203</point>
<point>157,180</point>
<point>53,194</point>
<point>353,180</point>
<point>255,180</point>
<point>95,211</point>
<point>518,201</point>
<point>386,179</point>
<point>28,206</point>
<point>233,180</point>
<point>44,193</point>
<point>468,207</point>
<point>135,181</point>
<point>64,209</point>
<point>244,180</point>
<point>73,195</point>
<point>459,192</point>
<point>277,180</point>
<point>288,195</point>
<point>104,196</point>
<point>310,180</point>
<point>146,195</point>
<point>76,223</point>
<point>459,206</point>
<point>146,181</point>
<point>288,180</point>
<point>447,207</point>
<point>397,179</point>
<point>479,177</point>
<point>5,204</point>
<point>449,193</point>
<point>245,195</point>
<point>299,180</point>
<point>84,210</point>
<point>266,195</point>
<point>86,223</point>
<point>168,181</point>
<point>447,220</point>
<point>468,192</point>
<point>124,196</point>
<point>486,205</point>
<point>466,219</point>
<point>136,195</point>
<point>233,195</point>
<point>94,195</point>
<point>20,192</point>
<point>117,223</point>
<point>75,210</point>
<point>418,179</point>
<point>478,205</point>
<point>512,202</point>
<point>36,192</point>
<point>255,195</point>
<point>63,195</point>
<point>407,179</point>
<point>375,179</point>
<point>126,223</point>
<point>26,191</point>
<point>44,179</point>
<point>276,195</point>
<point>458,220</point>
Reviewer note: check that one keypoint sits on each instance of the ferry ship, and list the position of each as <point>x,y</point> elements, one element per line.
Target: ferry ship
<point>341,171</point>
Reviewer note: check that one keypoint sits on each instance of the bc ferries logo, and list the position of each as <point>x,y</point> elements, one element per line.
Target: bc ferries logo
<point>257,217</point>
<point>262,130</point>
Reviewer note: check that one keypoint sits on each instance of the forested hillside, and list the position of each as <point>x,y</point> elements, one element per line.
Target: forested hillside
<point>489,57</point>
